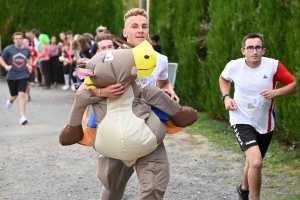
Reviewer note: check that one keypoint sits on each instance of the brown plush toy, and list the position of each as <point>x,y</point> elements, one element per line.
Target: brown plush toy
<point>127,127</point>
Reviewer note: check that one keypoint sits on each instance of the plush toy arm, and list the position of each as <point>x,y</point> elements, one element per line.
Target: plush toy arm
<point>73,132</point>
<point>82,99</point>
<point>181,116</point>
<point>71,135</point>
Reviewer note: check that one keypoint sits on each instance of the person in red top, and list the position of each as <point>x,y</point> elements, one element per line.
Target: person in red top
<point>31,81</point>
<point>67,61</point>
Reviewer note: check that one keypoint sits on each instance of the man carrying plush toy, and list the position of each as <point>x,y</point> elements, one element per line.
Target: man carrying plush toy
<point>152,168</point>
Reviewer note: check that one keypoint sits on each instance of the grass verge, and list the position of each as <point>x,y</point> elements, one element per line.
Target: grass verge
<point>280,159</point>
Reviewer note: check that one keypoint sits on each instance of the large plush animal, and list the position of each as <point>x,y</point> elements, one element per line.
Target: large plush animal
<point>127,127</point>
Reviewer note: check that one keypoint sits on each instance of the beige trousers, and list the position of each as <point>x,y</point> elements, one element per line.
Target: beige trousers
<point>152,171</point>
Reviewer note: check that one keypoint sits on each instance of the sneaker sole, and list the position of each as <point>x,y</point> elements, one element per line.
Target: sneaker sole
<point>25,122</point>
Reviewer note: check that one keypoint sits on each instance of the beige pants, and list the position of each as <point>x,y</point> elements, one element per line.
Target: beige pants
<point>152,171</point>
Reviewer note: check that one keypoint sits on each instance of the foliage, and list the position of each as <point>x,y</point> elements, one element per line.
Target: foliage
<point>202,56</point>
<point>51,17</point>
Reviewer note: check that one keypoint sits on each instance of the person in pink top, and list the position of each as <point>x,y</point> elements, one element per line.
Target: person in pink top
<point>54,54</point>
<point>44,57</point>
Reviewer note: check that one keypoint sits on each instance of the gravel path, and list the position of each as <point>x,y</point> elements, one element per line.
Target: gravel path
<point>33,165</point>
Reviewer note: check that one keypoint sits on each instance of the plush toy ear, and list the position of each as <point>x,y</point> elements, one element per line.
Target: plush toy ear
<point>84,73</point>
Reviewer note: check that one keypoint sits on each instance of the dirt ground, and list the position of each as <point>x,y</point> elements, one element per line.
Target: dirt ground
<point>33,165</point>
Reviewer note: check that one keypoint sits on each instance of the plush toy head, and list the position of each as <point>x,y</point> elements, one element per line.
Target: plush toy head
<point>120,66</point>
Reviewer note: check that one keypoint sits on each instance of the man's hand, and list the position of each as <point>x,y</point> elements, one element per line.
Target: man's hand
<point>230,104</point>
<point>29,68</point>
<point>268,94</point>
<point>83,61</point>
<point>111,91</point>
<point>172,94</point>
<point>8,67</point>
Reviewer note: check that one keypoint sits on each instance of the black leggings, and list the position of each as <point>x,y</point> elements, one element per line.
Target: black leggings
<point>46,71</point>
<point>54,69</point>
<point>68,70</point>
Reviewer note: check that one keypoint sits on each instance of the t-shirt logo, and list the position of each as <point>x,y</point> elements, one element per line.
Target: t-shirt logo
<point>265,76</point>
<point>18,60</point>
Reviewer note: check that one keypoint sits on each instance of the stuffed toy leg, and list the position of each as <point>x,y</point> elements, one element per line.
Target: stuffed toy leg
<point>73,132</point>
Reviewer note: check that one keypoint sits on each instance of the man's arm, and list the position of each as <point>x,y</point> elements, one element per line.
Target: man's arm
<point>166,86</point>
<point>4,65</point>
<point>29,66</point>
<point>111,91</point>
<point>283,91</point>
<point>225,88</point>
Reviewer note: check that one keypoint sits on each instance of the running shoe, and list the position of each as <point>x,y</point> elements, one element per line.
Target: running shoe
<point>23,120</point>
<point>8,103</point>
<point>243,195</point>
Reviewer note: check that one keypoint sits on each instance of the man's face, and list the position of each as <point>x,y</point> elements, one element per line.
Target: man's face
<point>70,37</point>
<point>136,29</point>
<point>253,57</point>
<point>18,40</point>
<point>25,42</point>
<point>28,34</point>
<point>62,36</point>
<point>105,45</point>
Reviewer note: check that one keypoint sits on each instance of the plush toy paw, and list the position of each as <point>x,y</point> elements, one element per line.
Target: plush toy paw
<point>71,135</point>
<point>88,136</point>
<point>184,117</point>
<point>171,128</point>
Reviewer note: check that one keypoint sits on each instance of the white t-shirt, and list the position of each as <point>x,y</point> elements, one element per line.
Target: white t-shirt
<point>252,108</point>
<point>160,72</point>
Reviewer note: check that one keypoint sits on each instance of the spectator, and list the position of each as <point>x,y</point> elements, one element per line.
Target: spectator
<point>66,59</point>
<point>53,54</point>
<point>31,81</point>
<point>44,58</point>
<point>154,41</point>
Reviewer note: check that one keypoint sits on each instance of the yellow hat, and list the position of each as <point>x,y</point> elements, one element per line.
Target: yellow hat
<point>145,58</point>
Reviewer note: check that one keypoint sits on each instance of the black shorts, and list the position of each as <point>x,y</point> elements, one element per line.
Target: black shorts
<point>247,137</point>
<point>16,86</point>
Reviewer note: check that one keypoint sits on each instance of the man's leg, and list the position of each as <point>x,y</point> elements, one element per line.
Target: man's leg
<point>22,103</point>
<point>153,174</point>
<point>245,185</point>
<point>114,175</point>
<point>254,160</point>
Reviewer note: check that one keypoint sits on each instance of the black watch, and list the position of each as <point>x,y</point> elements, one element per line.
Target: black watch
<point>225,95</point>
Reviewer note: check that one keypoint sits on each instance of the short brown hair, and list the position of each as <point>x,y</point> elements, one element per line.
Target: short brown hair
<point>102,36</point>
<point>252,36</point>
<point>69,32</point>
<point>135,12</point>
<point>17,33</point>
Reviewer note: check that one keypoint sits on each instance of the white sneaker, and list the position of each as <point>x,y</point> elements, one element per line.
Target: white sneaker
<point>8,103</point>
<point>23,120</point>
<point>65,87</point>
<point>73,87</point>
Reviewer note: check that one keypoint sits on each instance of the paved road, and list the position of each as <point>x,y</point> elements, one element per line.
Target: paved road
<point>46,113</point>
<point>33,165</point>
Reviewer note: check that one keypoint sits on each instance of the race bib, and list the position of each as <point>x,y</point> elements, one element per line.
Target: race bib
<point>143,81</point>
<point>255,102</point>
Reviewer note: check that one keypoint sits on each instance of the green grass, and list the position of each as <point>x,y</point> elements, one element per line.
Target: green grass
<point>279,160</point>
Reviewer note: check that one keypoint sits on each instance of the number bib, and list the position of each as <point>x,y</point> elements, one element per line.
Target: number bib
<point>143,81</point>
<point>255,102</point>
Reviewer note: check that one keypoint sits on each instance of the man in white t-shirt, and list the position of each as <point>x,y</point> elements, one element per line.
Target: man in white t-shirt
<point>251,110</point>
